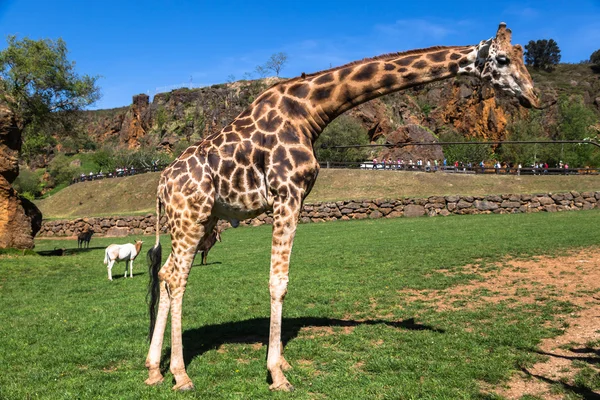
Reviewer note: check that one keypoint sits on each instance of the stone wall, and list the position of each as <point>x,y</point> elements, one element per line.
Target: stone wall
<point>354,209</point>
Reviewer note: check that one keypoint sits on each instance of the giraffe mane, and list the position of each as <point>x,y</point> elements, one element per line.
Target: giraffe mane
<point>386,56</point>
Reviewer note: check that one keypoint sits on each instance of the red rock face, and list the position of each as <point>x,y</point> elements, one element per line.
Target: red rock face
<point>10,144</point>
<point>132,129</point>
<point>20,219</point>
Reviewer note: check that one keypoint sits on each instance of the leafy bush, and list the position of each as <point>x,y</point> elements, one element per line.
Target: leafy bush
<point>575,121</point>
<point>528,129</point>
<point>61,170</point>
<point>473,153</point>
<point>343,131</point>
<point>104,159</point>
<point>37,139</point>
<point>28,184</point>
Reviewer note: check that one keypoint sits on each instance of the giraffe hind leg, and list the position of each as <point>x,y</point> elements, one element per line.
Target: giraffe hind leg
<point>183,252</point>
<point>153,360</point>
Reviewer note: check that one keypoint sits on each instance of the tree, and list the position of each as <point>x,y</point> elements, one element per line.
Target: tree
<point>275,64</point>
<point>595,57</point>
<point>575,121</point>
<point>39,83</point>
<point>61,170</point>
<point>465,153</point>
<point>530,128</point>
<point>343,131</point>
<point>542,54</point>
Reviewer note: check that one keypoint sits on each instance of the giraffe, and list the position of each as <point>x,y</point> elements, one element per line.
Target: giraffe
<point>264,160</point>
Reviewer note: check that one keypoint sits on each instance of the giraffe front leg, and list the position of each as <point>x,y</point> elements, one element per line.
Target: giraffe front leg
<point>183,257</point>
<point>285,366</point>
<point>182,380</point>
<point>278,289</point>
<point>284,230</point>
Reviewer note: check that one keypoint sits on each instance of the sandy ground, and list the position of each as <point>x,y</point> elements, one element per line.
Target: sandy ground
<point>574,278</point>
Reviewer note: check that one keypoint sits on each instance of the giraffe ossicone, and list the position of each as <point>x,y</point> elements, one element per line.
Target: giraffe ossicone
<point>264,160</point>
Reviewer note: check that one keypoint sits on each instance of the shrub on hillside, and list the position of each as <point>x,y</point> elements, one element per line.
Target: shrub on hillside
<point>104,159</point>
<point>61,170</point>
<point>575,123</point>
<point>527,129</point>
<point>343,131</point>
<point>473,153</point>
<point>28,184</point>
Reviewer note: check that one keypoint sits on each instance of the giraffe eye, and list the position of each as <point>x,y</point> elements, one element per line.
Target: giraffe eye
<point>503,60</point>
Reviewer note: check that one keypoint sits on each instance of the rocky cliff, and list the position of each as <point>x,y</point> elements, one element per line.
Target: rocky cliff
<point>20,219</point>
<point>462,104</point>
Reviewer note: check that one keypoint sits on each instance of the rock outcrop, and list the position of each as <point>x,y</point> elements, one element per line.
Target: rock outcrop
<point>20,219</point>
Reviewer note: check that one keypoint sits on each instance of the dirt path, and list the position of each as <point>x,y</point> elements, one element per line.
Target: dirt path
<point>577,277</point>
<point>572,356</point>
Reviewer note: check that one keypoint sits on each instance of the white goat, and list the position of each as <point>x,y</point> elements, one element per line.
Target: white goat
<point>122,252</point>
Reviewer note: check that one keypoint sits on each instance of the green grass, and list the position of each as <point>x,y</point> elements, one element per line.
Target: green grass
<point>349,327</point>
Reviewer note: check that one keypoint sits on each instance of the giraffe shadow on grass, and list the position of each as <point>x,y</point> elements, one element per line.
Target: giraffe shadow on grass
<point>66,251</point>
<point>200,340</point>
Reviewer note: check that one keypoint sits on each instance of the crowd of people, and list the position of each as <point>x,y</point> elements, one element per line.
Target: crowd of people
<point>498,167</point>
<point>538,168</point>
<point>118,172</point>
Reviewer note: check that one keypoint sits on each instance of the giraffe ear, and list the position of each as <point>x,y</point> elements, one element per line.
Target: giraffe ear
<point>504,35</point>
<point>518,50</point>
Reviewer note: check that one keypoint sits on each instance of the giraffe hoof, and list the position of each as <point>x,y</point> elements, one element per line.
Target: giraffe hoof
<point>284,387</point>
<point>154,381</point>
<point>184,386</point>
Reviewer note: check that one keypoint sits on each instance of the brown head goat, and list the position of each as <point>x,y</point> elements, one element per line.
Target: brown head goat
<point>208,243</point>
<point>122,252</point>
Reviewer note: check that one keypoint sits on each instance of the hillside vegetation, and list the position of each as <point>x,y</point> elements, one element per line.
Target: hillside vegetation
<point>136,194</point>
<point>459,109</point>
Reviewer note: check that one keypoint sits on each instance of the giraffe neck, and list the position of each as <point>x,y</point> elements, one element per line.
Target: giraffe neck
<point>332,92</point>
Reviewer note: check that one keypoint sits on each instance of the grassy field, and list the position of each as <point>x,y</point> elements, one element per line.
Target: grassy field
<point>350,328</point>
<point>136,194</point>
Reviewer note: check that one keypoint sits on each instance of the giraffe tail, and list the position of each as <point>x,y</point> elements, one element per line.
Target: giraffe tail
<point>154,257</point>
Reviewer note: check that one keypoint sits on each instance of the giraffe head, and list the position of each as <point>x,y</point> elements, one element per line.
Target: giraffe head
<point>502,64</point>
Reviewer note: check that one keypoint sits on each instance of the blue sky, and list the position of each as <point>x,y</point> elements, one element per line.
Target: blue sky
<point>149,46</point>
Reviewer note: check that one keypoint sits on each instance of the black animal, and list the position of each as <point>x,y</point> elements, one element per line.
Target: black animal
<point>55,252</point>
<point>83,239</point>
